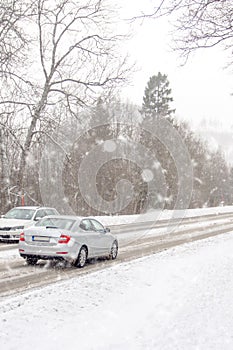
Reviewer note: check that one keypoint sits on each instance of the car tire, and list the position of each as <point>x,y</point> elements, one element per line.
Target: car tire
<point>31,261</point>
<point>82,257</point>
<point>114,250</point>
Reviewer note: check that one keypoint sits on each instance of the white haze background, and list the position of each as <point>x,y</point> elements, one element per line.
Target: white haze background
<point>202,88</point>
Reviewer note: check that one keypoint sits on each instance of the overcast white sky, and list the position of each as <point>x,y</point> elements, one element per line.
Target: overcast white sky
<point>201,89</point>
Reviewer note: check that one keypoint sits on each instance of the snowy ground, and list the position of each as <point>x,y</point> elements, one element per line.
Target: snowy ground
<point>178,299</point>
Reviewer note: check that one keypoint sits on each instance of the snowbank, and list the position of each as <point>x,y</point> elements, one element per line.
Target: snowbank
<point>178,299</point>
<point>163,215</point>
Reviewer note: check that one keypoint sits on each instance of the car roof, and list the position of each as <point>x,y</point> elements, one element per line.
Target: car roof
<point>32,207</point>
<point>72,217</point>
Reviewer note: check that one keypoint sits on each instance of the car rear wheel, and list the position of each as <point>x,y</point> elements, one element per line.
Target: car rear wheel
<point>114,251</point>
<point>31,261</point>
<point>82,257</point>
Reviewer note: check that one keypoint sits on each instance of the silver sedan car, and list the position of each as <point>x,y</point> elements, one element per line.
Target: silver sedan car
<point>70,238</point>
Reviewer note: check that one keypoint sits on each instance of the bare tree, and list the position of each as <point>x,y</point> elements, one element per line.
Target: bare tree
<point>13,40</point>
<point>198,23</point>
<point>71,56</point>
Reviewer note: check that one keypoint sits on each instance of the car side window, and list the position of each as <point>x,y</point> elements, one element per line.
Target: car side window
<point>86,225</point>
<point>50,212</point>
<point>40,214</point>
<point>98,227</point>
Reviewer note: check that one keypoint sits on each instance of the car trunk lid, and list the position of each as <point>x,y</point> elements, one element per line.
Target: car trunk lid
<point>48,235</point>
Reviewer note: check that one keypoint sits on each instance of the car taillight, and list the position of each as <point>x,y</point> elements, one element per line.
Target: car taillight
<point>21,237</point>
<point>64,239</point>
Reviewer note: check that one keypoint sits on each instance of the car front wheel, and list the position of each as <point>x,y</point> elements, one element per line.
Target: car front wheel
<point>82,257</point>
<point>114,251</point>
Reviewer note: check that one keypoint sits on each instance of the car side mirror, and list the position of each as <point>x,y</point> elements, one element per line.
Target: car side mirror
<point>107,229</point>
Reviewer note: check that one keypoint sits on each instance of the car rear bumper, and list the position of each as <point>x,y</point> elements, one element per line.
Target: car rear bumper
<point>59,252</point>
<point>43,257</point>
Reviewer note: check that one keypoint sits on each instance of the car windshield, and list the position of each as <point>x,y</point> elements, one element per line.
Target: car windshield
<point>20,213</point>
<point>64,224</point>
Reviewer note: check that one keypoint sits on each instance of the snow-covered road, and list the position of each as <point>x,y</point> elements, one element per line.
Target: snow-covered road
<point>177,299</point>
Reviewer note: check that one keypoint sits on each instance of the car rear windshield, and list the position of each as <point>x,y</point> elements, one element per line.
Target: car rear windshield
<point>64,224</point>
<point>20,214</point>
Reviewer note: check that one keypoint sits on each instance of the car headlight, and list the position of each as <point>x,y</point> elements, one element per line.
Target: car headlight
<point>16,228</point>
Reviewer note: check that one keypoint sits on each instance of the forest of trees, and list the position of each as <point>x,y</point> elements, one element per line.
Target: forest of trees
<point>59,109</point>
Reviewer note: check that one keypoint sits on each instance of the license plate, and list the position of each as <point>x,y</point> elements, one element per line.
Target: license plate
<point>40,239</point>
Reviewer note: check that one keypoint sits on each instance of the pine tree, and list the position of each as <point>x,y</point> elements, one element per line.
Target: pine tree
<point>157,98</point>
<point>156,105</point>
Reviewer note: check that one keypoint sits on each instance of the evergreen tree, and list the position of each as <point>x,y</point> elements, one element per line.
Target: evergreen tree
<point>156,105</point>
<point>157,98</point>
<point>100,113</point>
<point>218,180</point>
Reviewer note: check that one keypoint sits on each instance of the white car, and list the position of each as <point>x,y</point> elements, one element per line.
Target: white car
<point>70,238</point>
<point>16,219</point>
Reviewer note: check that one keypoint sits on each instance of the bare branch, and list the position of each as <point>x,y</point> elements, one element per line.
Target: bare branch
<point>198,23</point>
